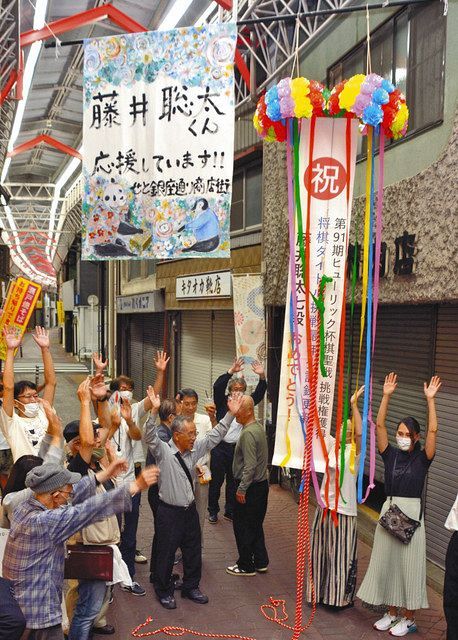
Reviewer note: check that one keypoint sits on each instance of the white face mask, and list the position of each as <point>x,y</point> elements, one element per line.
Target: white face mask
<point>31,409</point>
<point>127,395</point>
<point>403,443</point>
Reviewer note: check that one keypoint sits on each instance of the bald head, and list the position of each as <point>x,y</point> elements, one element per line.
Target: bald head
<point>245,414</point>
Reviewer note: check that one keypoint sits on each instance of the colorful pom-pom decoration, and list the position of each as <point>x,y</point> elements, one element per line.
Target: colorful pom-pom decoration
<point>372,99</point>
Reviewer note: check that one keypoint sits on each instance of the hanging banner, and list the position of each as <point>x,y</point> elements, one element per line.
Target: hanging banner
<point>326,175</point>
<point>60,313</point>
<point>19,305</point>
<point>158,135</point>
<point>249,322</point>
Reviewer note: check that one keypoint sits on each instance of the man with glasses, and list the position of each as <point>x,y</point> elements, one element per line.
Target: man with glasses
<point>23,420</point>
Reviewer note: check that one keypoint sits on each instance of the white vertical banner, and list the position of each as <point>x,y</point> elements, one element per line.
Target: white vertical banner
<point>330,217</point>
<point>249,322</point>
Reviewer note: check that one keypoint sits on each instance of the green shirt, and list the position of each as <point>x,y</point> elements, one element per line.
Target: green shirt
<point>250,456</point>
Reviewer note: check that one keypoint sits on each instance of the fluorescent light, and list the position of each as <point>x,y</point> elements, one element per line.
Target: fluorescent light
<point>203,18</point>
<point>40,14</point>
<point>174,15</point>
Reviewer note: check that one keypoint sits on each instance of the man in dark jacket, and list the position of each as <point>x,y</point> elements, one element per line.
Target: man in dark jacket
<point>223,454</point>
<point>12,621</point>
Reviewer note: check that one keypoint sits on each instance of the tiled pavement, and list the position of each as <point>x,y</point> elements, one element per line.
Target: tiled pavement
<point>234,606</point>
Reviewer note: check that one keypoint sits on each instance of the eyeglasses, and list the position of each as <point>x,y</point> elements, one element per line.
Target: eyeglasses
<point>28,397</point>
<point>70,494</point>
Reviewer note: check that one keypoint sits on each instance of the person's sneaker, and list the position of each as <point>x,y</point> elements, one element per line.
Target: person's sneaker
<point>386,622</point>
<point>261,569</point>
<point>235,570</point>
<point>228,516</point>
<point>140,558</point>
<point>212,518</point>
<point>403,627</point>
<point>135,589</point>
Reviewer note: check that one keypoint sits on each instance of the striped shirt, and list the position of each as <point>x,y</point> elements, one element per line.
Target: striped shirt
<point>35,550</point>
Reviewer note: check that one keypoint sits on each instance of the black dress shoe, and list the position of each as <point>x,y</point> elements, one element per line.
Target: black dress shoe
<point>195,595</point>
<point>107,630</point>
<point>177,581</point>
<point>168,602</point>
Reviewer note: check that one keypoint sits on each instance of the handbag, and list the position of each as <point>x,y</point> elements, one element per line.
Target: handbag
<point>395,521</point>
<point>89,562</point>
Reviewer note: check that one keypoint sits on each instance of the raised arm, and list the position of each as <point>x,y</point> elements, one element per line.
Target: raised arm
<point>220,384</point>
<point>133,432</point>
<point>41,337</point>
<point>54,425</point>
<point>12,340</point>
<point>160,362</point>
<point>261,388</point>
<point>98,390</point>
<point>430,393</point>
<point>86,428</point>
<point>155,445</point>
<point>388,389</point>
<point>357,417</point>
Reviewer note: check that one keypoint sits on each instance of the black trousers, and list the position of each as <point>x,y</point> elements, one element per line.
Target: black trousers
<point>153,500</point>
<point>451,588</point>
<point>177,527</point>
<point>248,530</point>
<point>221,467</point>
<point>12,621</point>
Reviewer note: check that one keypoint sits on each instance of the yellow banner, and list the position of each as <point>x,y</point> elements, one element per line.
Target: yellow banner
<point>20,302</point>
<point>60,312</point>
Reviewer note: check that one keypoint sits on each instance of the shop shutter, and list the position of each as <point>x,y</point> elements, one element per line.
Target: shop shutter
<point>135,354</point>
<point>405,345</point>
<point>442,478</point>
<point>196,353</point>
<point>223,342</point>
<point>153,340</point>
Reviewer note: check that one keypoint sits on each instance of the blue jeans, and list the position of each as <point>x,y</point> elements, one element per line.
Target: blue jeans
<point>129,535</point>
<point>91,594</point>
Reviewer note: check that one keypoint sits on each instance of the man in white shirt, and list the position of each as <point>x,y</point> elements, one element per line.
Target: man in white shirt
<point>189,401</point>
<point>23,420</point>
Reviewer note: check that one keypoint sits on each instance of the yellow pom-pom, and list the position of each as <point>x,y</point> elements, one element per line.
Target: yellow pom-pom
<point>303,108</point>
<point>299,88</point>
<point>256,124</point>
<point>351,89</point>
<point>400,120</point>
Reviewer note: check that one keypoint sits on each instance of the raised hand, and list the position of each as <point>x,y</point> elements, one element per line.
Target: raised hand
<point>12,338</point>
<point>237,366</point>
<point>154,399</point>
<point>357,395</point>
<point>234,401</point>
<point>391,382</point>
<point>126,410</point>
<point>161,361</point>
<point>258,368</point>
<point>432,388</point>
<point>41,337</point>
<point>115,419</point>
<point>116,467</point>
<point>52,416</point>
<point>84,391</point>
<point>98,387</point>
<point>147,477</point>
<point>99,363</point>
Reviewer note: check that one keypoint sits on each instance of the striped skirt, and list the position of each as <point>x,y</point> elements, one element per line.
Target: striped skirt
<point>333,559</point>
<point>396,575</point>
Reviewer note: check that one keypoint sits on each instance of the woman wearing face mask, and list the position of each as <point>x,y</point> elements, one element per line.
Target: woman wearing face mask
<point>23,420</point>
<point>396,576</point>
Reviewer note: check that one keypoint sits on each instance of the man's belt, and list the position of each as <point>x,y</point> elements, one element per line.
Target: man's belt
<point>174,506</point>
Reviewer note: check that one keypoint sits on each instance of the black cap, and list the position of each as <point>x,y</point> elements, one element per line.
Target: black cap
<point>72,429</point>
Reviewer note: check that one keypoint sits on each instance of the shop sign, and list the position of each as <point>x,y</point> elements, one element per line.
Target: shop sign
<point>217,284</point>
<point>20,303</point>
<point>151,302</point>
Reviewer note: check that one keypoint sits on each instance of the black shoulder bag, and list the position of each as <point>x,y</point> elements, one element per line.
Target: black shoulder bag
<point>395,521</point>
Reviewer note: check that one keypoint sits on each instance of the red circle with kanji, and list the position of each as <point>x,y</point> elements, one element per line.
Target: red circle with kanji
<point>328,178</point>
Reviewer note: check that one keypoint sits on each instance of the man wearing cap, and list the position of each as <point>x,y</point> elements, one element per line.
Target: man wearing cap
<point>62,504</point>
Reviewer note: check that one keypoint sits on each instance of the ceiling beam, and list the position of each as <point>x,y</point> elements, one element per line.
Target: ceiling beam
<point>45,139</point>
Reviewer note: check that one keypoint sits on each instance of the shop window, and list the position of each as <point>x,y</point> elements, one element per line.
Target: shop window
<point>140,268</point>
<point>246,207</point>
<point>408,50</point>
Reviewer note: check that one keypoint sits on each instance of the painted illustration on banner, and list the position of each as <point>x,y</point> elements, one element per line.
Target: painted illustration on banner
<point>158,151</point>
<point>325,177</point>
<point>19,305</point>
<point>249,322</point>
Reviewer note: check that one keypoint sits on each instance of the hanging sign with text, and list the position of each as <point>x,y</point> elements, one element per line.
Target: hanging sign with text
<point>158,144</point>
<point>19,305</point>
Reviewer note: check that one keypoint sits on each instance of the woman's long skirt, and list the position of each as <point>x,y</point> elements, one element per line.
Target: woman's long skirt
<point>333,559</point>
<point>396,575</point>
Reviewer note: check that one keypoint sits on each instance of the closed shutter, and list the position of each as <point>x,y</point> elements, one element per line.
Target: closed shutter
<point>403,345</point>
<point>196,350</point>
<point>223,342</point>
<point>146,337</point>
<point>442,478</point>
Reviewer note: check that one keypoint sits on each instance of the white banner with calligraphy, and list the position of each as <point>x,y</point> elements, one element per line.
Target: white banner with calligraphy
<point>158,144</point>
<point>329,227</point>
<point>249,322</point>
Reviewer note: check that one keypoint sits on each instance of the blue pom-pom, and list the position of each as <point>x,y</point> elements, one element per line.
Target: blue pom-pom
<point>373,115</point>
<point>273,111</point>
<point>388,86</point>
<point>272,95</point>
<point>380,96</point>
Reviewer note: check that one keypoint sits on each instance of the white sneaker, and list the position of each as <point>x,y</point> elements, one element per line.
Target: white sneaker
<point>403,627</point>
<point>386,622</point>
